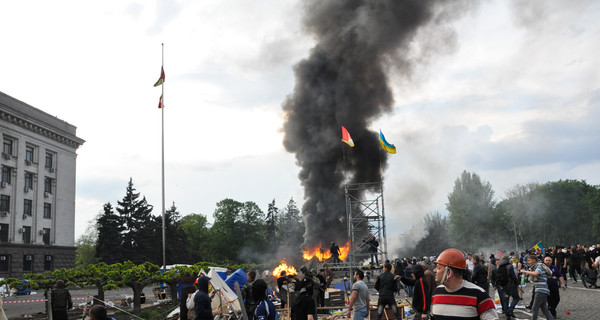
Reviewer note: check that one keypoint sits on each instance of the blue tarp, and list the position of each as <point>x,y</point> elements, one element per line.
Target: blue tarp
<point>240,276</point>
<point>340,286</point>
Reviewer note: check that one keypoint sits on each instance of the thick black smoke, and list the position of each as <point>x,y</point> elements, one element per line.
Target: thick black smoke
<point>345,82</point>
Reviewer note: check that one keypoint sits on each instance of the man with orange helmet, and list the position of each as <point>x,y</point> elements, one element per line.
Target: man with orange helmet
<point>456,298</point>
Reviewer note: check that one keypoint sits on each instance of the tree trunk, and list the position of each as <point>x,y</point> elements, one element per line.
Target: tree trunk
<point>174,292</point>
<point>137,292</point>
<point>100,297</point>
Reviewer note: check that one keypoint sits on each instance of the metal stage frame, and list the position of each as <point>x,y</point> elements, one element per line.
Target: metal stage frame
<point>365,218</point>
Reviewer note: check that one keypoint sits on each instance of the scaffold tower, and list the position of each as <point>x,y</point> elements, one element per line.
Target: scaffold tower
<point>366,218</point>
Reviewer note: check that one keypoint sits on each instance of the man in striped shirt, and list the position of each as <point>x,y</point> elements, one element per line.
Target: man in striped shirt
<point>456,298</point>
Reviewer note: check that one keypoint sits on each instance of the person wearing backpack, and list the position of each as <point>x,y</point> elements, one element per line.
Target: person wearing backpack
<point>506,284</point>
<point>61,301</point>
<point>265,309</point>
<point>538,275</point>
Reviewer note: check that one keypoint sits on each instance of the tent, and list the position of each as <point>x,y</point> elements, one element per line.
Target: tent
<point>240,276</point>
<point>228,296</point>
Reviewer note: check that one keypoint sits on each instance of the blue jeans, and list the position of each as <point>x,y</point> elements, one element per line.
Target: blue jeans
<point>505,295</point>
<point>374,255</point>
<point>360,314</point>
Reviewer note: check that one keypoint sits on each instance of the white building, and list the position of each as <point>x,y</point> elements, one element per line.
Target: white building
<point>37,190</point>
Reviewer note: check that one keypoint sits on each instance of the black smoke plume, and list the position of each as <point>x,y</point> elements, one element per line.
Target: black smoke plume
<point>345,82</point>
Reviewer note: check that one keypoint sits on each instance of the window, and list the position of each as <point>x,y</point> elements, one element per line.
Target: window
<point>48,185</point>
<point>28,263</point>
<point>26,235</point>
<point>49,160</point>
<point>28,181</point>
<point>4,203</point>
<point>29,154</point>
<point>47,263</point>
<point>4,262</point>
<point>46,235</point>
<point>7,146</point>
<point>47,210</point>
<point>27,205</point>
<point>3,232</point>
<point>6,174</point>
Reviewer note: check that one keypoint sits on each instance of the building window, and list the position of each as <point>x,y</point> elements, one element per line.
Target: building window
<point>3,232</point>
<point>4,262</point>
<point>48,185</point>
<point>7,146</point>
<point>46,235</point>
<point>29,154</point>
<point>26,235</point>
<point>48,263</point>
<point>28,263</point>
<point>27,205</point>
<point>49,160</point>
<point>47,210</point>
<point>28,181</point>
<point>6,174</point>
<point>4,203</point>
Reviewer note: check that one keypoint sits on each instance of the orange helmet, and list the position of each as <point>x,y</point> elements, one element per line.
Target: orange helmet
<point>453,258</point>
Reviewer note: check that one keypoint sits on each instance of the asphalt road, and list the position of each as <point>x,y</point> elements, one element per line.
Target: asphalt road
<point>17,310</point>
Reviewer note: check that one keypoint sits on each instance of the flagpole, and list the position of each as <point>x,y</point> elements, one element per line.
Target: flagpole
<point>164,246</point>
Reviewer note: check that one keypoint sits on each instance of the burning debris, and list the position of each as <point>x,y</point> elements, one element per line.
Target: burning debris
<point>289,270</point>
<point>324,254</point>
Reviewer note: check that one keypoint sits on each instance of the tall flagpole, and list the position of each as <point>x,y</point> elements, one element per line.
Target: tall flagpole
<point>164,246</point>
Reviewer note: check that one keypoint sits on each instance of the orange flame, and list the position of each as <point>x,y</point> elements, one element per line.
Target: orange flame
<point>289,270</point>
<point>324,254</point>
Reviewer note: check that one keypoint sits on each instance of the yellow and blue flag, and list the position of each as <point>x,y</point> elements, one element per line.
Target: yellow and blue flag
<point>390,148</point>
<point>540,247</point>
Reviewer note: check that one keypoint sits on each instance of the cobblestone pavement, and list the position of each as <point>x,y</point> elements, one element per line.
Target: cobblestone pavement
<point>576,303</point>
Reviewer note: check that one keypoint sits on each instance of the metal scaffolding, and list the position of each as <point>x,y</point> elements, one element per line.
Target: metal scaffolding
<point>366,218</point>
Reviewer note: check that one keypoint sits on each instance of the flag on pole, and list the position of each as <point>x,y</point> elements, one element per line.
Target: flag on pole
<point>162,77</point>
<point>539,246</point>
<point>160,103</point>
<point>390,148</point>
<point>346,137</point>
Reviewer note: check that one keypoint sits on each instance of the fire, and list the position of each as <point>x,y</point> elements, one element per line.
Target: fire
<point>289,270</point>
<point>324,254</point>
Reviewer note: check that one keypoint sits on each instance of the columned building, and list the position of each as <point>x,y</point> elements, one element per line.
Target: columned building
<point>37,190</point>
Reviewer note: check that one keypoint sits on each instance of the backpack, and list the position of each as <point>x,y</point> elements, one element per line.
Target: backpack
<point>502,275</point>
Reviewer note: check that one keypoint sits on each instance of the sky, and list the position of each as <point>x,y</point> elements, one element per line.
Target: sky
<point>514,97</point>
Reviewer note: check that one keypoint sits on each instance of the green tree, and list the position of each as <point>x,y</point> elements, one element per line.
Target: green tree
<point>110,238</point>
<point>138,236</point>
<point>176,241</point>
<point>85,253</point>
<point>271,223</point>
<point>436,237</point>
<point>290,227</point>
<point>197,232</point>
<point>137,277</point>
<point>100,275</point>
<point>471,207</point>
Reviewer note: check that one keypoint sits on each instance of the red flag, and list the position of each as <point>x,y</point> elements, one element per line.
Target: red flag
<point>160,105</point>
<point>346,137</point>
<point>162,77</point>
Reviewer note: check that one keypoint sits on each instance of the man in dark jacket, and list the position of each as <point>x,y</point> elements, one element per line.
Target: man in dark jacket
<point>506,282</point>
<point>305,308</point>
<point>61,301</point>
<point>387,287</point>
<point>479,276</point>
<point>421,301</point>
<point>249,302</point>
<point>202,301</point>
<point>373,244</point>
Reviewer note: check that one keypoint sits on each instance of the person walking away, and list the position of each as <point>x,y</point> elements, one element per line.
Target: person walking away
<point>61,301</point>
<point>479,275</point>
<point>282,284</point>
<point>574,264</point>
<point>359,300</point>
<point>305,308</point>
<point>265,309</point>
<point>202,305</point>
<point>589,276</point>
<point>408,272</point>
<point>421,301</point>
<point>456,298</point>
<point>553,285</point>
<point>507,284</point>
<point>186,287</point>
<point>249,302</point>
<point>538,275</point>
<point>387,287</point>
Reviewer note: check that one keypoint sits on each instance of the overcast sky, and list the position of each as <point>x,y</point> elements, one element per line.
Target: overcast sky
<point>516,99</point>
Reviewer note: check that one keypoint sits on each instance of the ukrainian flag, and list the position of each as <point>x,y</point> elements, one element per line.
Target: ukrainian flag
<point>390,148</point>
<point>540,247</point>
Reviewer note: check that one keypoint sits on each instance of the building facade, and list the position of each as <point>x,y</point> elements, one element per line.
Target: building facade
<point>37,190</point>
